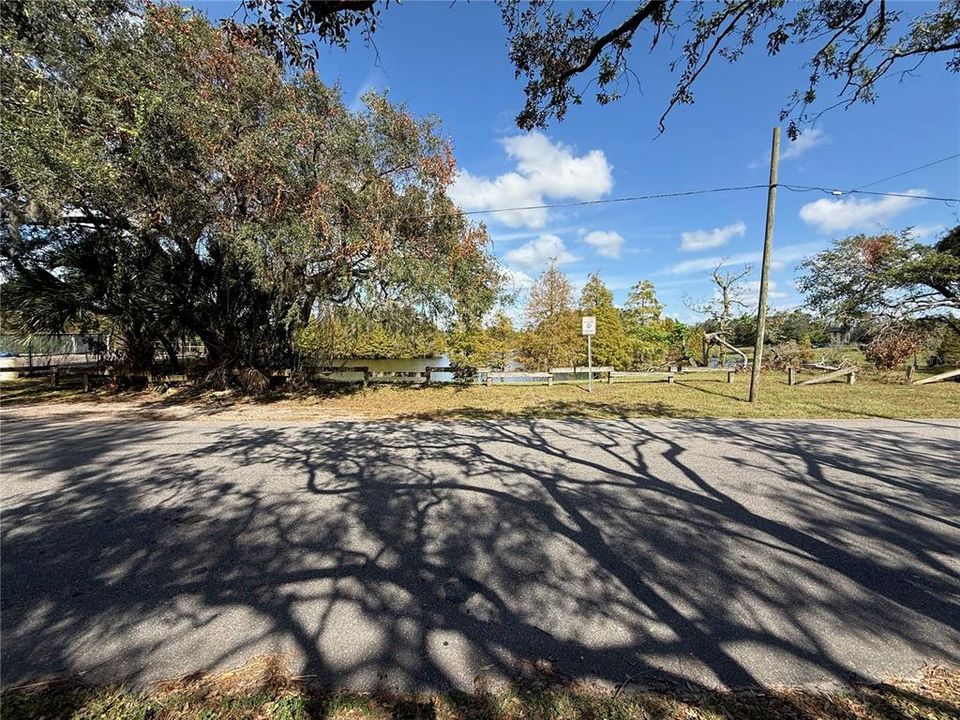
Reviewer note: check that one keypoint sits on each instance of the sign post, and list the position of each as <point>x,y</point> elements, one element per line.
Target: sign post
<point>588,327</point>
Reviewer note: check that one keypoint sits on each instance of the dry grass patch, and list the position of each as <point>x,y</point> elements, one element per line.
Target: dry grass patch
<point>691,396</point>
<point>265,688</point>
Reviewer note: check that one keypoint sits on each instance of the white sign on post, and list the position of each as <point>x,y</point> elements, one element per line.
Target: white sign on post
<point>588,327</point>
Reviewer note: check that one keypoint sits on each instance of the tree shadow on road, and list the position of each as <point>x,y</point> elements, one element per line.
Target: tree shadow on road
<point>429,555</point>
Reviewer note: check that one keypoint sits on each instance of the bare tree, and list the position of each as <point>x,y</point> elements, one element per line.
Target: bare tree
<point>727,298</point>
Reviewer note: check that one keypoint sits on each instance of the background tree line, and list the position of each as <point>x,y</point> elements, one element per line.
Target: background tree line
<point>901,296</point>
<point>888,294</point>
<point>636,336</point>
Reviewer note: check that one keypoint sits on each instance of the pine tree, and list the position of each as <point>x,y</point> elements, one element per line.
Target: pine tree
<point>610,344</point>
<point>642,306</point>
<point>502,340</point>
<point>648,336</point>
<point>552,332</point>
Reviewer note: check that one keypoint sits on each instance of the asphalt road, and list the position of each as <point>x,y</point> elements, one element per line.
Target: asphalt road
<point>428,555</point>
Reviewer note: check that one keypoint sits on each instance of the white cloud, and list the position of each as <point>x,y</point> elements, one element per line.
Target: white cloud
<point>545,172</point>
<point>781,255</point>
<point>374,81</point>
<point>509,237</point>
<point>926,232</point>
<point>828,215</point>
<point>536,253</point>
<point>505,191</point>
<point>694,240</point>
<point>517,280</point>
<point>709,263</point>
<point>793,148</point>
<point>808,140</point>
<point>607,243</point>
<point>752,290</point>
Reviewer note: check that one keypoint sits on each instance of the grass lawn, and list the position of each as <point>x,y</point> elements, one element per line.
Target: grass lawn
<point>691,396</point>
<point>265,689</point>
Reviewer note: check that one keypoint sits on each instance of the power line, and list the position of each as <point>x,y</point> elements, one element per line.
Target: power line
<point>907,172</point>
<point>606,201</point>
<point>837,193</point>
<point>906,195</point>
<point>687,193</point>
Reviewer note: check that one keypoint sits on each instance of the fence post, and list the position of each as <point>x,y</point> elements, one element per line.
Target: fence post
<point>609,377</point>
<point>488,380</point>
<point>549,379</point>
<point>910,369</point>
<point>791,376</point>
<point>729,377</point>
<point>55,377</point>
<point>366,377</point>
<point>427,378</point>
<point>670,379</point>
<point>86,382</point>
<point>852,377</point>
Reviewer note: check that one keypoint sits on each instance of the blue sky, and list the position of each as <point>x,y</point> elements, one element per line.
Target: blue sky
<point>452,61</point>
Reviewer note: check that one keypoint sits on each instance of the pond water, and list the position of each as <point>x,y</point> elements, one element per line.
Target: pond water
<point>401,365</point>
<point>394,365</point>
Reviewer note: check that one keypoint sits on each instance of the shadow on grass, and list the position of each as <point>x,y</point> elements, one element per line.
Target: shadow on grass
<point>38,391</point>
<point>245,694</point>
<point>725,396</point>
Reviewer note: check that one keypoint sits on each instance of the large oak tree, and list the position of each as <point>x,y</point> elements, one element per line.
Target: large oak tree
<point>162,177</point>
<point>890,277</point>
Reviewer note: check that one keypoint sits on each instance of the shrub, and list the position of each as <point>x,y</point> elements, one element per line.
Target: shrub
<point>891,349</point>
<point>791,354</point>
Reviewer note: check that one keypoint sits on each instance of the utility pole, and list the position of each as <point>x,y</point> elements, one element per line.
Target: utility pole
<point>765,265</point>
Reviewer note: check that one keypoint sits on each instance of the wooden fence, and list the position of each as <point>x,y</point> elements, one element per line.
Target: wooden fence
<point>463,375</point>
<point>90,375</point>
<point>849,375</point>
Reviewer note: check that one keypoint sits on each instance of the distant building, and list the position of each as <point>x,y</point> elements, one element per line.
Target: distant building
<point>839,334</point>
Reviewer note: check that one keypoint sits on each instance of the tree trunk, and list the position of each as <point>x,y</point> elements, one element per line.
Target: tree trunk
<point>171,351</point>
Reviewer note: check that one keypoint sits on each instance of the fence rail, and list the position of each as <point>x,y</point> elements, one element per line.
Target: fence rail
<point>75,348</point>
<point>462,375</point>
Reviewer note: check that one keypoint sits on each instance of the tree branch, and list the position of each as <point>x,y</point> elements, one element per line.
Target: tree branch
<point>653,8</point>
<point>322,9</point>
<point>685,84</point>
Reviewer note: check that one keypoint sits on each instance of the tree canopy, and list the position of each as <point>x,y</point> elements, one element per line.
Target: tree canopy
<point>727,298</point>
<point>163,177</point>
<point>889,277</point>
<point>634,337</point>
<point>552,337</point>
<point>610,345</point>
<point>559,51</point>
